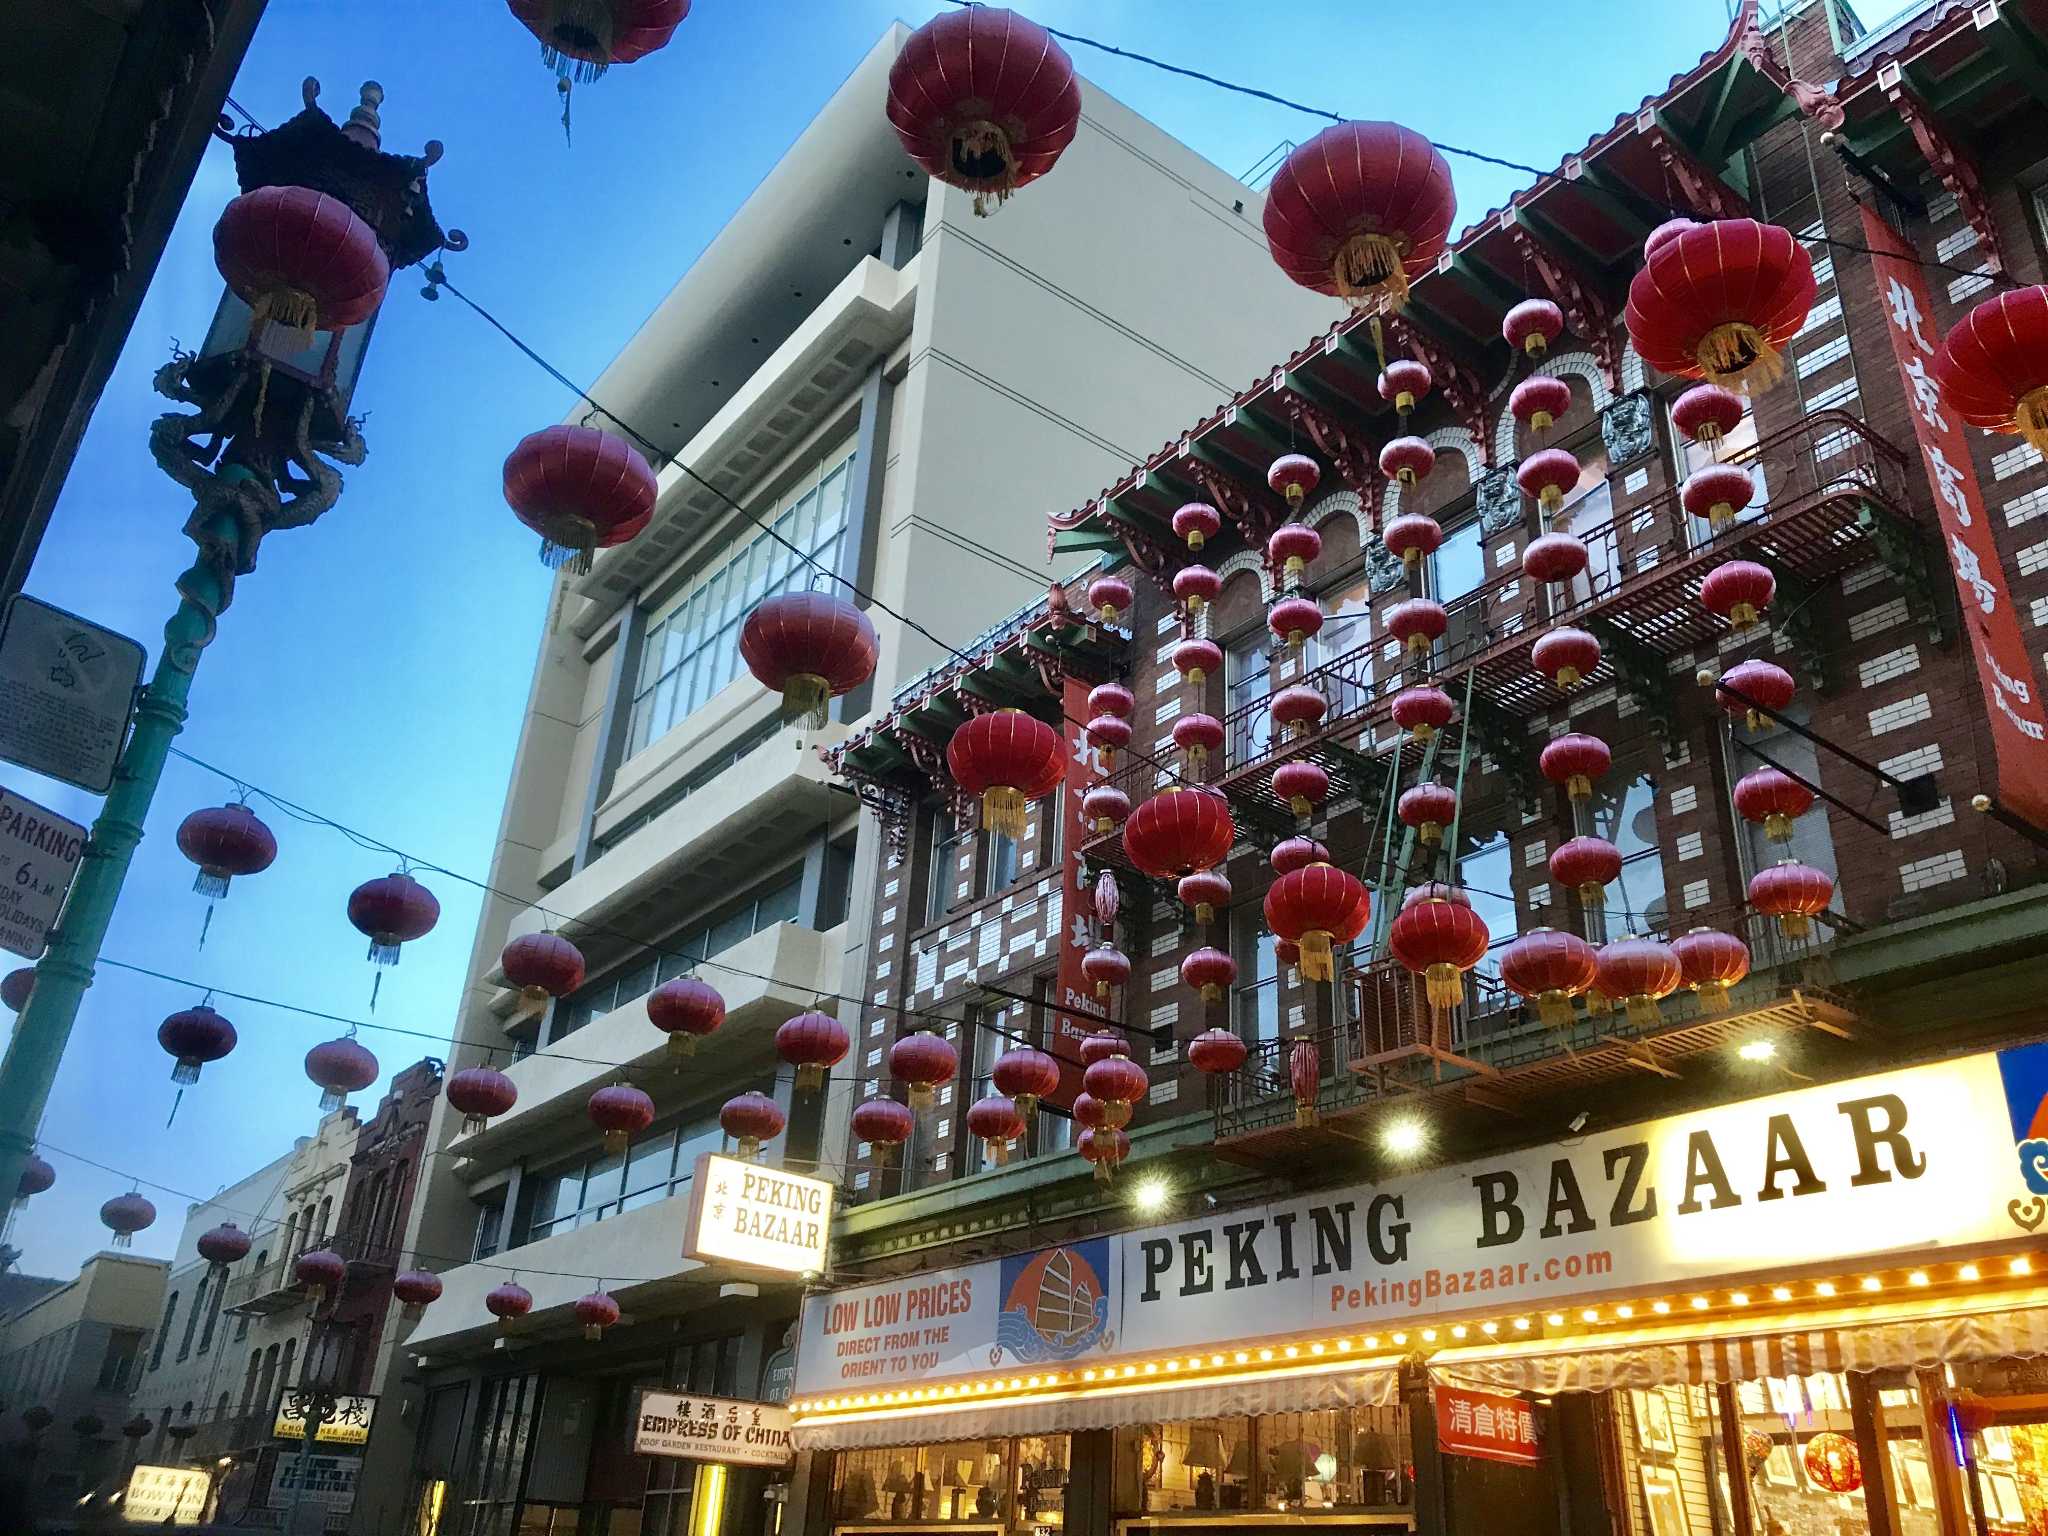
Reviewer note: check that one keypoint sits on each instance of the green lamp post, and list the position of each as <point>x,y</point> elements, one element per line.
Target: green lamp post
<point>258,452</point>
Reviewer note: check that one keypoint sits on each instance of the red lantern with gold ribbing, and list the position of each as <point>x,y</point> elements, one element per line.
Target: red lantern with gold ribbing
<point>1422,711</point>
<point>1555,558</point>
<point>620,1112</point>
<point>1793,893</point>
<point>1711,962</point>
<point>301,261</point>
<point>1707,413</point>
<point>685,1009</point>
<point>1111,699</point>
<point>1428,808</point>
<point>415,1291</point>
<point>1302,784</point>
<point>1118,1084</point>
<point>1413,536</point>
<point>1439,941</point>
<point>1532,325</point>
<point>1404,383</point>
<point>321,1271</point>
<point>1025,1075</point>
<point>1200,736</point>
<point>126,1215</point>
<point>1110,597</point>
<point>995,1123</point>
<point>1196,586</point>
<point>1539,400</point>
<point>579,489</point>
<point>36,1176</point>
<point>1296,710</point>
<point>984,100</point>
<point>810,647</point>
<point>1763,686</point>
<point>1105,807</point>
<point>225,841</point>
<point>1294,477</point>
<point>1102,1045</point>
<point>1566,656</point>
<point>922,1062</point>
<point>340,1067</point>
<point>1407,460</point>
<point>1216,1051</point>
<point>581,39</point>
<point>1547,477</point>
<point>1670,229</point>
<point>1010,759</point>
<point>392,910</point>
<point>1109,734</point>
<point>1319,908</point>
<point>1197,522</point>
<point>813,1043</point>
<point>192,1037</point>
<point>508,1303</point>
<point>1359,211</point>
<point>1639,973</point>
<point>1295,620</point>
<point>1290,550</point>
<point>1418,623</point>
<point>542,966</point>
<point>479,1094</point>
<point>1210,972</point>
<point>1197,658</point>
<point>223,1245</point>
<point>1715,493</point>
<point>1179,831</point>
<point>1993,365</point>
<point>1738,591</point>
<point>1106,968</point>
<point>1304,1080</point>
<point>1294,853</point>
<point>751,1120</point>
<point>595,1313</point>
<point>884,1125</point>
<point>1774,798</point>
<point>1574,761</point>
<point>1105,1148</point>
<point>1205,890</point>
<point>1549,968</point>
<point>1719,301</point>
<point>1587,865</point>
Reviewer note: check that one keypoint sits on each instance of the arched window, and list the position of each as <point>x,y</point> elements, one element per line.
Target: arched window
<point>220,1410</point>
<point>284,1376</point>
<point>242,1322</point>
<point>249,1382</point>
<point>326,1218</point>
<point>266,1394</point>
<point>213,1315</point>
<point>163,1334</point>
<point>192,1316</point>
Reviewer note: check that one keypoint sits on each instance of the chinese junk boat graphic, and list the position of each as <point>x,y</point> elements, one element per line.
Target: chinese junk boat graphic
<point>1055,1304</point>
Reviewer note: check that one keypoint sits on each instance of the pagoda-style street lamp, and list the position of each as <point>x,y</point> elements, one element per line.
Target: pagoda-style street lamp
<point>270,421</point>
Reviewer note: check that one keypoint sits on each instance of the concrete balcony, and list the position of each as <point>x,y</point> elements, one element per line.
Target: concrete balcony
<point>263,1291</point>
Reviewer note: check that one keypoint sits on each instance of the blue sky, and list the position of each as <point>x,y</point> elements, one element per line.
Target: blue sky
<point>376,665</point>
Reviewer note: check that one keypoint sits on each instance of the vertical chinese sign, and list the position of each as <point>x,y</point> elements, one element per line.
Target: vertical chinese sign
<point>1486,1425</point>
<point>2012,691</point>
<point>1073,1005</point>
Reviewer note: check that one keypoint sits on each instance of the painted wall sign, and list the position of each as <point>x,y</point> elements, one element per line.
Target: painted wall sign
<point>328,1481</point>
<point>165,1496</point>
<point>1070,1019</point>
<point>759,1216</point>
<point>723,1429</point>
<point>2005,667</point>
<point>66,688</point>
<point>39,854</point>
<point>1948,1155</point>
<point>1487,1426</point>
<point>349,1424</point>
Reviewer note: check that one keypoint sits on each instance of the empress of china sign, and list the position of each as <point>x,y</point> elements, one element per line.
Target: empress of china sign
<point>712,1429</point>
<point>749,1214</point>
<point>1949,1155</point>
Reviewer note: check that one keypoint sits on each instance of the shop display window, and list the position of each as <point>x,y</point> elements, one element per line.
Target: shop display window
<point>1800,1446</point>
<point>1042,1464</point>
<point>966,1482</point>
<point>1335,1459</point>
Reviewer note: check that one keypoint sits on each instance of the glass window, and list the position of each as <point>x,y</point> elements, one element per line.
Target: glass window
<point>1346,633</point>
<point>490,1227</point>
<point>1248,683</point>
<point>961,1480</point>
<point>1256,997</point>
<point>1486,872</point>
<point>946,890</point>
<point>648,1165</point>
<point>1812,843</point>
<point>1623,810</point>
<point>1589,513</point>
<point>1183,1466</point>
<point>1789,1412</point>
<point>1002,863</point>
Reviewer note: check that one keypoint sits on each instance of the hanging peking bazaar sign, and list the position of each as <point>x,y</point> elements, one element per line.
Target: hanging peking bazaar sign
<point>2005,668</point>
<point>1067,1020</point>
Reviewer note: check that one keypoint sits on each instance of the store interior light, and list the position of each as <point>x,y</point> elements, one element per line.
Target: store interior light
<point>1660,1307</point>
<point>1872,1283</point>
<point>1757,1050</point>
<point>1825,1288</point>
<point>1738,1298</point>
<point>2020,1266</point>
<point>1699,1303</point>
<point>1554,1320</point>
<point>1781,1293</point>
<point>1521,1325</point>
<point>1967,1272</point>
<point>1404,1136</point>
<point>1918,1277</point>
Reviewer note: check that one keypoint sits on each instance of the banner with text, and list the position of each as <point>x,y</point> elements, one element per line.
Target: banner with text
<point>1949,1155</point>
<point>1487,1426</point>
<point>699,1428</point>
<point>2005,667</point>
<point>1073,1001</point>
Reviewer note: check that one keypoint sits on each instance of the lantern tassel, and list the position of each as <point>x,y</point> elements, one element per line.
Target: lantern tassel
<point>750,1147</point>
<point>1713,997</point>
<point>614,1143</point>
<point>974,146</point>
<point>1778,827</point>
<point>384,951</point>
<point>1578,787</point>
<point>1102,1171</point>
<point>206,925</point>
<point>593,1331</point>
<point>1369,268</point>
<point>1431,833</point>
<point>1642,1010</point>
<point>1027,1106</point>
<point>588,25</point>
<point>681,1044</point>
<point>1116,1114</point>
<point>1205,912</point>
<point>185,1071</point>
<point>1000,1151</point>
<point>1592,895</point>
<point>212,884</point>
<point>1794,925</point>
<point>921,1098</point>
<point>1315,955</point>
<point>533,1002</point>
<point>1197,756</point>
<point>1002,811</point>
<point>1554,1009</point>
<point>1598,1004</point>
<point>1567,677</point>
<point>471,1124</point>
<point>331,1099</point>
<point>566,543</point>
<point>1445,985</point>
<point>1742,616</point>
<point>1304,1114</point>
<point>1736,356</point>
<point>2031,417</point>
<point>806,700</point>
<point>810,1077</point>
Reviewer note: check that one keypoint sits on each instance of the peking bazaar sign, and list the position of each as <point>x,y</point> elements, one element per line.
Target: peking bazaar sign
<point>2005,669</point>
<point>1952,1155</point>
<point>1073,1005</point>
<point>1487,1426</point>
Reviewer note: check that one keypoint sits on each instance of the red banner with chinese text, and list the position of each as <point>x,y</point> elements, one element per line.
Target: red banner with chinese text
<point>2005,668</point>
<point>1486,1425</point>
<point>1072,994</point>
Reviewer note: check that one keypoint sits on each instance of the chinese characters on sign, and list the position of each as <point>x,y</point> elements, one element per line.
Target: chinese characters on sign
<point>2012,692</point>
<point>349,1424</point>
<point>1486,1425</point>
<point>756,1215</point>
<point>712,1429</point>
<point>165,1496</point>
<point>66,686</point>
<point>1067,1021</point>
<point>39,854</point>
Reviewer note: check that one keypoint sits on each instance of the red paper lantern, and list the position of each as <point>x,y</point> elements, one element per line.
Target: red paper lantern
<point>1993,365</point>
<point>1439,941</point>
<point>1575,760</point>
<point>1566,656</point>
<point>1297,709</point>
<point>1210,972</point>
<point>479,1094</point>
<point>1773,797</point>
<point>581,39</point>
<point>995,1122</point>
<point>750,1119</point>
<point>542,966</point>
<point>884,1125</point>
<point>620,1112</point>
<point>1549,968</point>
<point>1304,1080</point>
<point>1766,683</point>
<point>984,100</point>
<point>1217,1051</point>
<point>596,1312</point>
<point>1587,865</point>
<point>1117,1083</point>
<point>1833,1462</point>
<point>1102,1045</point>
<point>1087,1110</point>
<point>508,1303</point>
<point>1111,699</point>
<point>1547,476</point>
<point>1105,1148</point>
<point>921,1062</point>
<point>1539,400</point>
<point>1105,807</point>
<point>224,1245</point>
<point>1205,890</point>
<point>1294,620</point>
<point>1109,733</point>
<point>1418,623</point>
<point>1291,549</point>
<point>1413,536</point>
<point>36,1176</point>
<point>1436,890</point>
<point>1025,1075</point>
<point>225,841</point>
<point>1197,522</point>
<point>1106,966</point>
<point>1318,908</point>
<point>340,1067</point>
<point>416,1290</point>
<point>1556,558</point>
<point>1195,658</point>
<point>1428,808</point>
<point>813,1043</point>
<point>1404,383</point>
<point>1423,711</point>
<point>1714,493</point>
<point>686,1010</point>
<point>1359,211</point>
<point>1295,853</point>
<point>1197,586</point>
<point>1739,591</point>
<point>126,1215</point>
<point>1532,325</point>
<point>579,489</point>
<point>1638,972</point>
<point>1718,301</point>
<point>1294,476</point>
<point>1407,460</point>
<point>810,647</point>
<point>1109,596</point>
<point>392,910</point>
<point>322,1272</point>
<point>1199,736</point>
<point>1179,831</point>
<point>16,986</point>
<point>194,1036</point>
<point>1793,893</point>
<point>1670,229</point>
<point>1711,962</point>
<point>1302,784</point>
<point>301,261</point>
<point>1010,759</point>
<point>1707,413</point>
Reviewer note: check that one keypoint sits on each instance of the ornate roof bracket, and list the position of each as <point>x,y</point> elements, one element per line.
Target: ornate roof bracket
<point>1353,459</point>
<point>1245,509</point>
<point>892,807</point>
<point>930,760</point>
<point>1952,163</point>
<point>1705,192</point>
<point>1589,316</point>
<point>1455,382</point>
